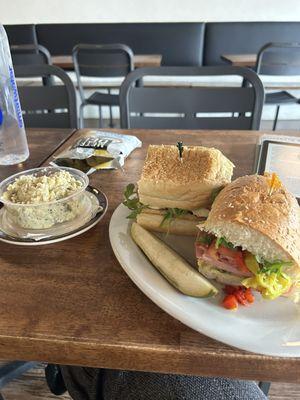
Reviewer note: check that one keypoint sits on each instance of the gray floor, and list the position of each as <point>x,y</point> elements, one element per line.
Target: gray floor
<point>32,386</point>
<point>281,125</point>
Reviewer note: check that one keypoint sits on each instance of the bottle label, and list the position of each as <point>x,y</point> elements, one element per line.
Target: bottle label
<point>16,97</point>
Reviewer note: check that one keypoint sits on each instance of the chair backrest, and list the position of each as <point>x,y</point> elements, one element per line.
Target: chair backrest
<point>95,60</point>
<point>52,106</point>
<point>279,59</point>
<point>243,38</point>
<point>179,43</point>
<point>29,54</point>
<point>162,107</point>
<point>21,34</point>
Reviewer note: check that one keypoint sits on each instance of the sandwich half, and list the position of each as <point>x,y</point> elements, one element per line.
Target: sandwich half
<point>173,193</point>
<point>252,237</point>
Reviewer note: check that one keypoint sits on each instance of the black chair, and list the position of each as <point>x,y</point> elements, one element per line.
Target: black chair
<point>115,60</point>
<point>279,59</point>
<point>30,54</point>
<point>21,34</point>
<point>150,107</point>
<point>51,106</point>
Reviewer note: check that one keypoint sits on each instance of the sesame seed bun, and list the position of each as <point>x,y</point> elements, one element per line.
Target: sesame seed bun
<point>265,223</point>
<point>168,182</point>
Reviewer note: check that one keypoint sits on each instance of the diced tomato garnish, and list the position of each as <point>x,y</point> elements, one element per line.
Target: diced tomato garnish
<point>249,295</point>
<point>230,302</point>
<point>237,295</point>
<point>240,296</point>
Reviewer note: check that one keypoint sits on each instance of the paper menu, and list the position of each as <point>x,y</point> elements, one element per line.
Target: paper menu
<point>284,159</point>
<point>279,138</point>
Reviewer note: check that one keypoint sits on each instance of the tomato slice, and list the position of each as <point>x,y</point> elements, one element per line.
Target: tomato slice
<point>234,257</point>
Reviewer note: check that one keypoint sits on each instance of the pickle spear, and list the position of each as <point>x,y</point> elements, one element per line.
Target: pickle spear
<point>171,265</point>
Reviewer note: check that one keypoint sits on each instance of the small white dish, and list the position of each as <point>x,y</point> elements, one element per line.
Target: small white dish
<point>266,327</point>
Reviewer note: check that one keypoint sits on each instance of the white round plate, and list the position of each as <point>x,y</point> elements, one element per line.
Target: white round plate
<point>102,201</point>
<point>266,327</point>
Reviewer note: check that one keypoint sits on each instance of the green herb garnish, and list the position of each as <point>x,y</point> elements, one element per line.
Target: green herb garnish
<point>172,213</point>
<point>180,149</point>
<point>132,202</point>
<point>223,242</point>
<point>205,239</point>
<point>275,267</point>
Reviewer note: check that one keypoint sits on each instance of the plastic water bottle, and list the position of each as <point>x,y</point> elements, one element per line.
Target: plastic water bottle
<point>13,142</point>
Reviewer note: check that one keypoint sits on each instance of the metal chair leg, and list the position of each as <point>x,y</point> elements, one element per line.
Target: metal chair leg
<point>111,124</point>
<point>81,119</point>
<point>100,118</point>
<point>264,387</point>
<point>276,118</point>
<point>13,370</point>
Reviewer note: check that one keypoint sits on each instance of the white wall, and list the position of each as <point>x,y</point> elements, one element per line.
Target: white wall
<point>43,11</point>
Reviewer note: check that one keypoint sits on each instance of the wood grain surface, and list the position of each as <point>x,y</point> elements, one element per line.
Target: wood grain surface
<point>41,143</point>
<point>139,60</point>
<point>240,60</point>
<point>71,302</point>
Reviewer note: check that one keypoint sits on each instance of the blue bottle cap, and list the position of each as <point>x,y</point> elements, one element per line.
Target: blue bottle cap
<point>1,117</point>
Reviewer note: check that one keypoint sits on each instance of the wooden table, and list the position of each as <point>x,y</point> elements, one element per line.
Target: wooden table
<point>42,143</point>
<point>249,61</point>
<point>140,60</point>
<point>71,302</point>
<point>240,60</point>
